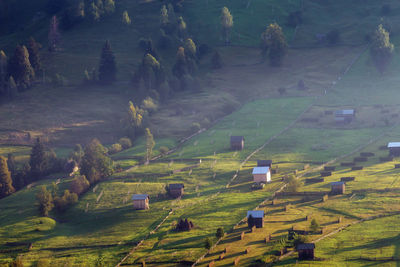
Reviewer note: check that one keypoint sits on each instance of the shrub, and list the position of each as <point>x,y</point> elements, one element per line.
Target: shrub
<point>125,142</point>
<point>115,148</point>
<point>293,184</point>
<point>314,225</point>
<point>149,105</point>
<point>220,232</point>
<point>208,243</point>
<point>184,225</point>
<point>43,263</point>
<point>163,150</point>
<point>68,199</point>
<point>79,185</point>
<point>300,239</point>
<point>195,126</point>
<point>58,80</point>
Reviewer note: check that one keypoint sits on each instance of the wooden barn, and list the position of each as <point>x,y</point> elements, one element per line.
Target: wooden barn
<point>306,251</point>
<point>176,190</point>
<point>338,188</point>
<point>394,148</point>
<point>262,174</point>
<point>344,115</point>
<point>264,163</point>
<point>237,142</point>
<point>255,218</point>
<point>140,201</point>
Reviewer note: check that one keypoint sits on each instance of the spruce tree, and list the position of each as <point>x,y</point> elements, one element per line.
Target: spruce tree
<point>216,61</point>
<point>190,48</point>
<point>381,49</point>
<point>107,68</point>
<point>37,160</point>
<point>274,44</point>
<point>181,28</point>
<point>180,68</point>
<point>3,72</point>
<point>109,6</point>
<point>34,56</point>
<point>226,23</point>
<point>12,90</point>
<point>94,12</point>
<point>54,36</point>
<point>20,67</point>
<point>12,167</point>
<point>164,20</point>
<point>6,187</point>
<point>149,144</point>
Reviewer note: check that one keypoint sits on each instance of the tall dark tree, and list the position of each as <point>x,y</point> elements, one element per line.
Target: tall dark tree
<point>216,61</point>
<point>180,67</point>
<point>12,167</point>
<point>226,23</point>
<point>381,49</point>
<point>12,89</point>
<point>3,72</point>
<point>133,121</point>
<point>274,44</point>
<point>20,67</point>
<point>149,144</point>
<point>34,56</point>
<point>96,165</point>
<point>37,160</point>
<point>54,36</point>
<point>45,199</point>
<point>107,68</point>
<point>6,187</point>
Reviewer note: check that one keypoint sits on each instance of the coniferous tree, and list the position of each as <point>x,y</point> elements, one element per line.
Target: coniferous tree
<point>216,61</point>
<point>20,67</point>
<point>149,144</point>
<point>126,20</point>
<point>100,7</point>
<point>190,48</point>
<point>94,12</point>
<point>109,6</point>
<point>54,36</point>
<point>381,49</point>
<point>150,67</point>
<point>6,187</point>
<point>12,167</point>
<point>34,56</point>
<point>164,20</point>
<point>107,68</point>
<point>180,67</point>
<point>226,23</point>
<point>45,200</point>
<point>3,72</point>
<point>96,165</point>
<point>12,90</point>
<point>181,28</point>
<point>37,160</point>
<point>274,44</point>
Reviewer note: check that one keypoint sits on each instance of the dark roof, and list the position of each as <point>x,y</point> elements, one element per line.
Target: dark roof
<point>306,246</point>
<point>264,162</point>
<point>337,183</point>
<point>344,112</point>
<point>255,213</point>
<point>176,186</point>
<point>237,139</point>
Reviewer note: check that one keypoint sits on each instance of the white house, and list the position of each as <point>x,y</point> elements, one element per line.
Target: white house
<point>262,174</point>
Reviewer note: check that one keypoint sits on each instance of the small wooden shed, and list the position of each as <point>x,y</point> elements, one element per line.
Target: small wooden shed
<point>264,163</point>
<point>306,251</point>
<point>394,148</point>
<point>255,218</point>
<point>176,190</point>
<point>338,188</point>
<point>344,115</point>
<point>140,201</point>
<point>262,174</point>
<point>237,142</point>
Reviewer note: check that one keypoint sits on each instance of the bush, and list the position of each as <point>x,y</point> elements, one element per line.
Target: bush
<point>43,263</point>
<point>58,80</point>
<point>68,199</point>
<point>125,142</point>
<point>293,184</point>
<point>220,233</point>
<point>79,185</point>
<point>300,239</point>
<point>163,150</point>
<point>314,225</point>
<point>208,243</point>
<point>333,36</point>
<point>195,127</point>
<point>149,105</point>
<point>115,148</point>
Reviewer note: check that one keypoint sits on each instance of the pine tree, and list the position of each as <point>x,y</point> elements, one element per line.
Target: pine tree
<point>6,187</point>
<point>150,67</point>
<point>190,48</point>
<point>93,12</point>
<point>20,67</point>
<point>180,68</point>
<point>126,20</point>
<point>34,56</point>
<point>37,160</point>
<point>149,144</point>
<point>54,36</point>
<point>3,72</point>
<point>381,49</point>
<point>216,61</point>
<point>274,44</point>
<point>107,68</point>
<point>12,90</point>
<point>45,200</point>
<point>181,28</point>
<point>226,23</point>
<point>100,7</point>
<point>12,167</point>
<point>164,20</point>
